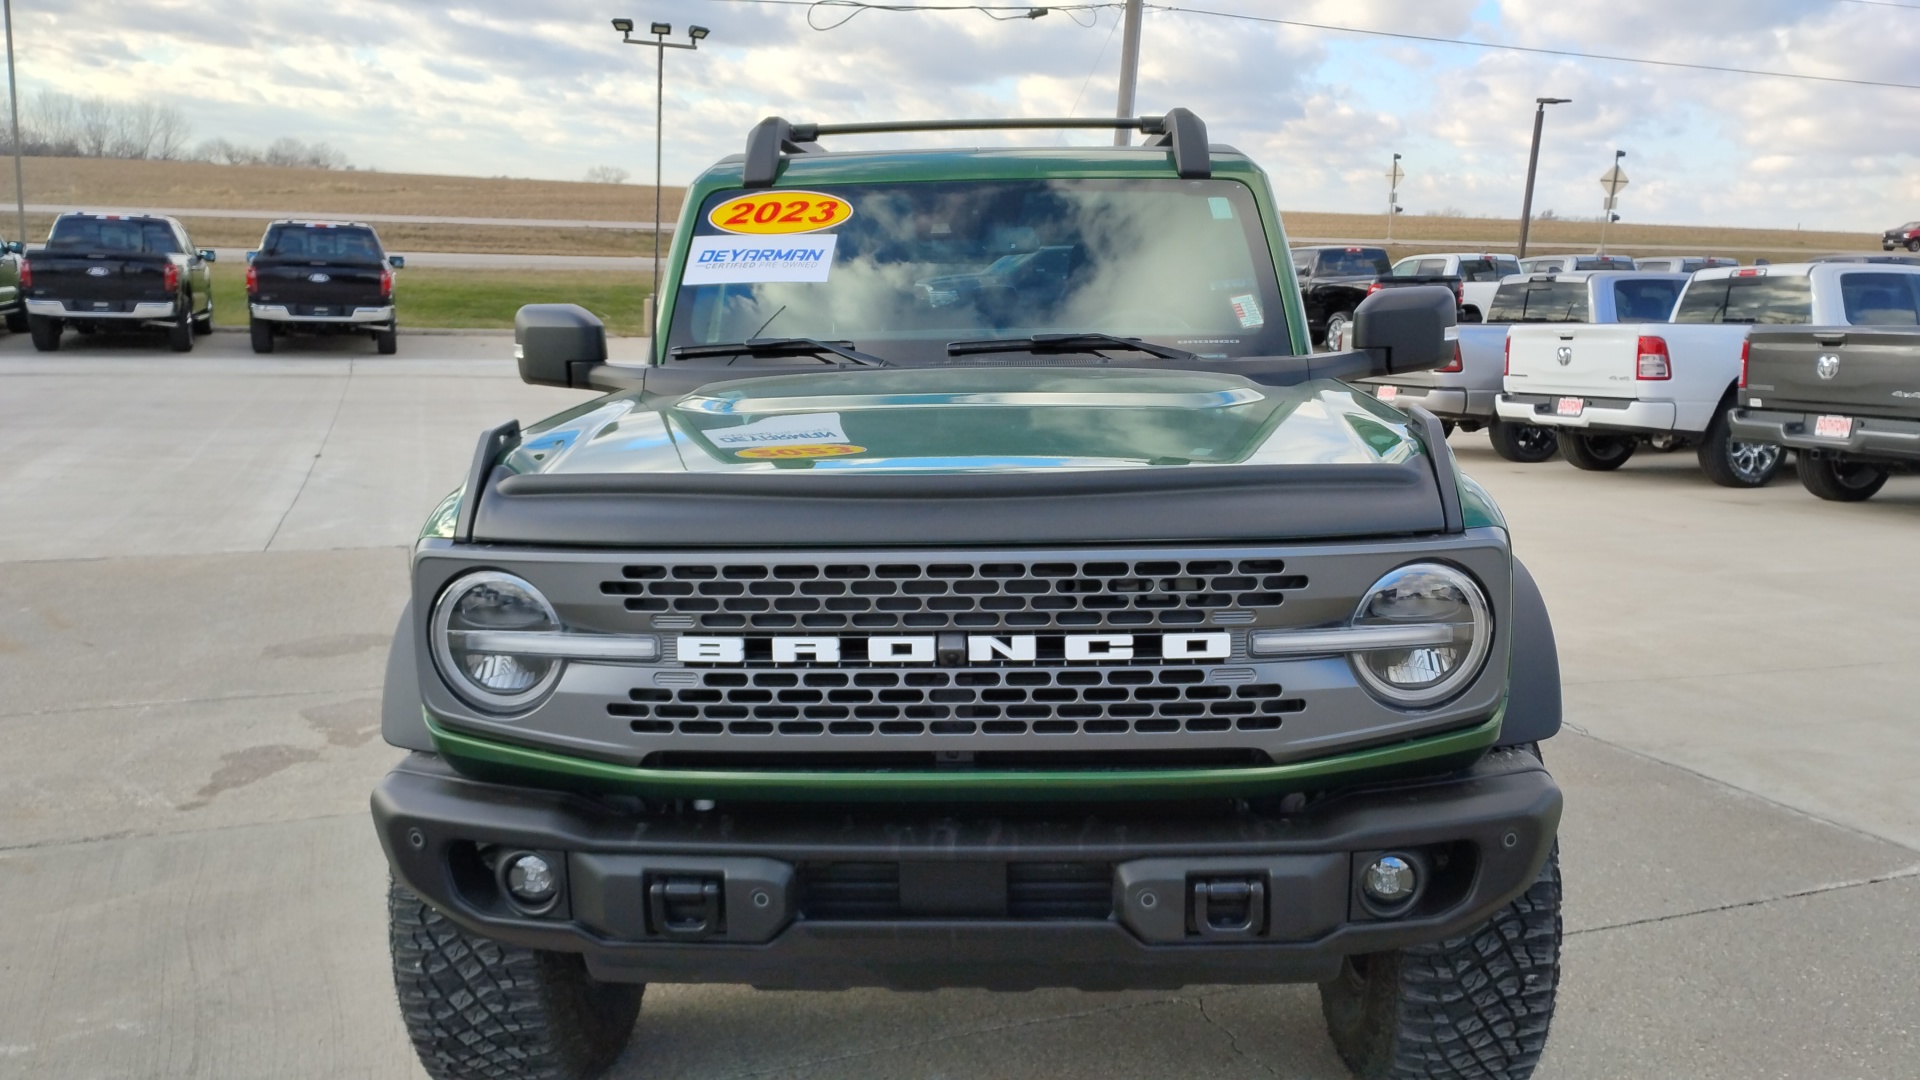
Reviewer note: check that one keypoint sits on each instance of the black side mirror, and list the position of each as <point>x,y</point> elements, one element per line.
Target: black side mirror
<point>1406,329</point>
<point>251,254</point>
<point>551,339</point>
<point>209,255</point>
<point>15,247</point>
<point>398,262</point>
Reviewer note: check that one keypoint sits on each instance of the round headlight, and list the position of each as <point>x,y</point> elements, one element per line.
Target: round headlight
<point>1426,595</point>
<point>471,609</point>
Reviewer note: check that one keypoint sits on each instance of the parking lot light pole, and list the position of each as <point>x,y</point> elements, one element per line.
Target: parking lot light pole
<point>1129,70</point>
<point>659,30</point>
<point>13,100</point>
<point>1533,165</point>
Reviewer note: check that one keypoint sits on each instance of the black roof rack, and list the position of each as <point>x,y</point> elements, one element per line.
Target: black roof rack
<point>773,138</point>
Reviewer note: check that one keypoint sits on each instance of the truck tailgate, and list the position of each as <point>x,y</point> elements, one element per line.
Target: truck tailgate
<point>1580,359</point>
<point>88,281</point>
<point>1862,371</point>
<point>331,288</point>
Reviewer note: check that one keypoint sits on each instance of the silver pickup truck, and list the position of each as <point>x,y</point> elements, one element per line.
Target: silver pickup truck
<point>1462,394</point>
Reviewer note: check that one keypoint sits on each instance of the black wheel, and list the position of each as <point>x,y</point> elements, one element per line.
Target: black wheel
<point>1477,1005</point>
<point>1734,463</point>
<point>17,322</point>
<point>1447,427</point>
<point>204,324</point>
<point>387,341</point>
<point>261,332</point>
<point>1528,444</point>
<point>1913,245</point>
<point>45,331</point>
<point>1337,328</point>
<point>1595,453</point>
<point>180,334</point>
<point>476,1007</point>
<point>1839,480</point>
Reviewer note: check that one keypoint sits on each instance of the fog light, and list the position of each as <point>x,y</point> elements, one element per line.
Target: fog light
<point>530,879</point>
<point>1390,880</point>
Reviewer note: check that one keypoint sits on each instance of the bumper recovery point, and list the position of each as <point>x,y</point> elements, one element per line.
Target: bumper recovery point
<point>833,899</point>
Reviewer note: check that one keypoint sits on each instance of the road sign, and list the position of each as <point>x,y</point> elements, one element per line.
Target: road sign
<point>1613,181</point>
<point>1613,203</point>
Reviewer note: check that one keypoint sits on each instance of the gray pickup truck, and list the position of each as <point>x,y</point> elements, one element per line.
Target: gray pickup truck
<point>1845,398</point>
<point>1462,393</point>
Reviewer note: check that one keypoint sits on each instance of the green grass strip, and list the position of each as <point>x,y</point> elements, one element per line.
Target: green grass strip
<point>476,299</point>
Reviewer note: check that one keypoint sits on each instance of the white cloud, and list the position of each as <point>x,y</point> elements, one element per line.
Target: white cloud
<point>498,87</point>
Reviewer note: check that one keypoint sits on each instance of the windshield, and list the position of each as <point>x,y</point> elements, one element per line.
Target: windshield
<point>1880,299</point>
<point>1540,301</point>
<point>331,242</point>
<point>903,269</point>
<point>145,235</point>
<point>1778,301</point>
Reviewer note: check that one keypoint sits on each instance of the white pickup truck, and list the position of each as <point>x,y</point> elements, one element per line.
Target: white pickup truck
<point>1480,275</point>
<point>1463,392</point>
<point>1610,389</point>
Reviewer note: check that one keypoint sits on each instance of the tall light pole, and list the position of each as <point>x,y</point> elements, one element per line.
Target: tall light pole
<point>1394,176</point>
<point>659,30</point>
<point>1611,182</point>
<point>1533,164</point>
<point>1129,70</point>
<point>13,100</point>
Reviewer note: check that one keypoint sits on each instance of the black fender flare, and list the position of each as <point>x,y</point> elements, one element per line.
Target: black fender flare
<point>402,721</point>
<point>1533,673</point>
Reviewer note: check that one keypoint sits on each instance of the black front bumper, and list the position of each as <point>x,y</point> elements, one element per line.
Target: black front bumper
<point>824,899</point>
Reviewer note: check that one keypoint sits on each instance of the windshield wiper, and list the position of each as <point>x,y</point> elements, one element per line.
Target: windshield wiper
<point>782,346</point>
<point>1056,343</point>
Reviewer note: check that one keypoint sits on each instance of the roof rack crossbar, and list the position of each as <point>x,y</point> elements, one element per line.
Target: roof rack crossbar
<point>1179,129</point>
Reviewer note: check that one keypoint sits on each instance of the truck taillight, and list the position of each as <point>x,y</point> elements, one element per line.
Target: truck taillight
<point>1460,293</point>
<point>253,279</point>
<point>1455,365</point>
<point>386,284</point>
<point>1506,348</point>
<point>1374,288</point>
<point>26,274</point>
<point>170,277</point>
<point>1746,350</point>
<point>1654,361</point>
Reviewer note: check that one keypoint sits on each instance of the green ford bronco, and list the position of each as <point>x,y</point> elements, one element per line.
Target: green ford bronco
<point>983,585</point>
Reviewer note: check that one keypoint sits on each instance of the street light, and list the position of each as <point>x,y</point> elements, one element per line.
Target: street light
<point>1533,164</point>
<point>659,30</point>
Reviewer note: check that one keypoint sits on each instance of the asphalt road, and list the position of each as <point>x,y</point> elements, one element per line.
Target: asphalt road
<point>201,560</point>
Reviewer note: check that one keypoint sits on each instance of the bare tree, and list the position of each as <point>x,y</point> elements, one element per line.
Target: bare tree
<point>607,174</point>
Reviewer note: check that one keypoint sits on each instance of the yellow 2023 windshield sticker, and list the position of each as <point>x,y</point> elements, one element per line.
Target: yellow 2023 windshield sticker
<point>774,213</point>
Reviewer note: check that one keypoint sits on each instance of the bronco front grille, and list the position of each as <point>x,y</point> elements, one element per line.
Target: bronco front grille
<point>1038,701</point>
<point>960,594</point>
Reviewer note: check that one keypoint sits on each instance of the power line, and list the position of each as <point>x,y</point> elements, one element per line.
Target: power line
<point>1431,39</point>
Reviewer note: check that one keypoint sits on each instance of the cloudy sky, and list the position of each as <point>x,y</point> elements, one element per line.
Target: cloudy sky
<point>506,87</point>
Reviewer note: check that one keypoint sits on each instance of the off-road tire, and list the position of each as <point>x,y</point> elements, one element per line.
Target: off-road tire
<point>17,322</point>
<point>45,331</point>
<point>1837,480</point>
<point>1734,463</point>
<point>180,334</point>
<point>1477,1005</point>
<point>261,332</point>
<point>1527,444</point>
<point>387,342</point>
<point>1336,324</point>
<point>1595,453</point>
<point>475,1007</point>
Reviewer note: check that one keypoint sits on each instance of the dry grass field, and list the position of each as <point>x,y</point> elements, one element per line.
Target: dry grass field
<point>194,185</point>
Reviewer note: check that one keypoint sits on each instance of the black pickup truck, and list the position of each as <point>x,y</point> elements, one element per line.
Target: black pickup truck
<point>1333,281</point>
<point>1845,398</point>
<point>117,272</point>
<point>321,277</point>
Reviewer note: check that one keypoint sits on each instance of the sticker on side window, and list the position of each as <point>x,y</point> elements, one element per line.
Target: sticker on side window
<point>775,213</point>
<point>731,260</point>
<point>1247,310</point>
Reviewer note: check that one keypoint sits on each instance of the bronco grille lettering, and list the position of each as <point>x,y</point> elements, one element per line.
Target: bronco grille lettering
<point>981,648</point>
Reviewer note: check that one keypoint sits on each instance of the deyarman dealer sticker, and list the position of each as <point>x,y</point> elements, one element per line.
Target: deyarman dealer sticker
<point>741,260</point>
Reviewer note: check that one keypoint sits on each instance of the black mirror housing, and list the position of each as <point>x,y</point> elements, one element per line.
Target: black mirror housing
<point>398,262</point>
<point>549,340</point>
<point>1407,329</point>
<point>15,247</point>
<point>209,255</point>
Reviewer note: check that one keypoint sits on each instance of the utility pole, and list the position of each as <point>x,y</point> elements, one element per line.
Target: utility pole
<point>13,99</point>
<point>1394,176</point>
<point>1533,165</point>
<point>1129,69</point>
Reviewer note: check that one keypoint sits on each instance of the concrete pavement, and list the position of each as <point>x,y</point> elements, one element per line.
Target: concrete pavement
<point>201,560</point>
